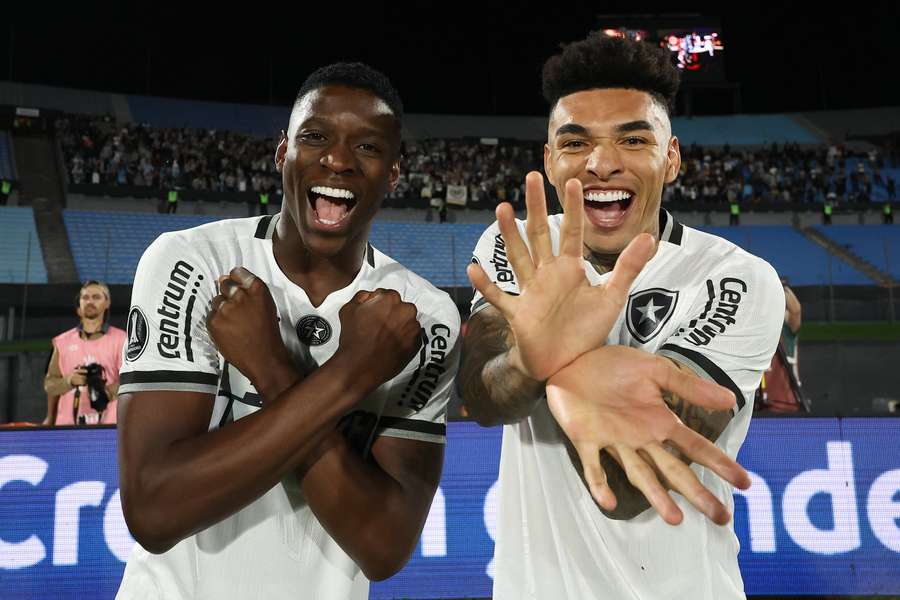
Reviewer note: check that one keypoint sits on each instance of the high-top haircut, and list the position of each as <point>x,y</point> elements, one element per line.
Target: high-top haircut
<point>600,61</point>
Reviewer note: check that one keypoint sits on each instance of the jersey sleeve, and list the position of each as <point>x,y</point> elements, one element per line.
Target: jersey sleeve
<point>416,403</point>
<point>490,253</point>
<point>732,328</point>
<point>167,346</point>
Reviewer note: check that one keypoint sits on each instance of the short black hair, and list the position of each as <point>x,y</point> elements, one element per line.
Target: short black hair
<point>355,75</point>
<point>601,61</point>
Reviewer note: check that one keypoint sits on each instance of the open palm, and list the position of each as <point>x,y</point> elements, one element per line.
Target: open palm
<point>558,315</point>
<point>612,399</point>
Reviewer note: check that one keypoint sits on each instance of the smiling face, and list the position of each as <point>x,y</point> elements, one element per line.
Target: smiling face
<point>338,160</point>
<point>619,144</point>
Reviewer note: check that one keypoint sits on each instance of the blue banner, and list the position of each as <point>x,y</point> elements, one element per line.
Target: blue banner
<point>822,516</point>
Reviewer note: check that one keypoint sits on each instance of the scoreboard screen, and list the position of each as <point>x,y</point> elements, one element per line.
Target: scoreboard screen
<point>696,43</point>
<point>697,52</point>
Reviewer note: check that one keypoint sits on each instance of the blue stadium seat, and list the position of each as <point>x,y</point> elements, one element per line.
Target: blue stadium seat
<point>754,130</point>
<point>108,246</point>
<point>801,261</point>
<point>20,247</point>
<point>439,252</point>
<point>879,245</point>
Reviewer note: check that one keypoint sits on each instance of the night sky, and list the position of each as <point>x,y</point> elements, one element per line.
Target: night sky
<point>483,60</point>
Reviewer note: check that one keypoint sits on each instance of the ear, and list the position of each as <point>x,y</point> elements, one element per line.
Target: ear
<point>394,175</point>
<point>547,164</point>
<point>673,160</point>
<point>281,151</point>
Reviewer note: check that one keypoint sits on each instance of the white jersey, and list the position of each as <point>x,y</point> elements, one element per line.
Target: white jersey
<point>274,548</point>
<point>703,302</point>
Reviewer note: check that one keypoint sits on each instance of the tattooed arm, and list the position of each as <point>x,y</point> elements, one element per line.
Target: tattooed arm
<point>494,391</point>
<point>631,501</point>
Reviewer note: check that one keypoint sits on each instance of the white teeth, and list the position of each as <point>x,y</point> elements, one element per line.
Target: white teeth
<point>328,221</point>
<point>607,196</point>
<point>332,192</point>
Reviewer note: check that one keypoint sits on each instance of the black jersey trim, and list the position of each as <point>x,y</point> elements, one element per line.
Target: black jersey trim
<point>412,425</point>
<point>262,229</point>
<point>670,230</point>
<point>370,255</point>
<point>677,233</point>
<point>168,377</point>
<point>707,366</point>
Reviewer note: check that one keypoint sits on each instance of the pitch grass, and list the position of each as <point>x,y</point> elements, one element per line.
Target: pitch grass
<point>851,331</point>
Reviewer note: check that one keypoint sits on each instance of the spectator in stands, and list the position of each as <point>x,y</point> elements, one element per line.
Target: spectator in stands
<point>99,152</point>
<point>888,213</point>
<point>828,208</point>
<point>5,191</point>
<point>172,202</point>
<point>83,375</point>
<point>734,217</point>
<point>780,389</point>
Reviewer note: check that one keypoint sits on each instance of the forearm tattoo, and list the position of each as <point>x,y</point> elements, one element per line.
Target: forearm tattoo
<point>492,390</point>
<point>630,500</point>
<point>708,423</point>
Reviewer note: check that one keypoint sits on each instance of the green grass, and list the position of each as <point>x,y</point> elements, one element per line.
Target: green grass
<point>26,346</point>
<point>863,331</point>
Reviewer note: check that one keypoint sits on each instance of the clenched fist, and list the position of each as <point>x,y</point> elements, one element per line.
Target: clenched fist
<point>243,323</point>
<point>379,335</point>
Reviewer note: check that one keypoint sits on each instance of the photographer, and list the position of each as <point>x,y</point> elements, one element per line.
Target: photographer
<point>83,375</point>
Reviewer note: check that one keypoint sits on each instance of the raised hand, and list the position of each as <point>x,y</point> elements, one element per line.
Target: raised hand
<point>558,315</point>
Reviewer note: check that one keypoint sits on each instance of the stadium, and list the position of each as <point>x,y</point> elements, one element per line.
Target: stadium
<point>787,150</point>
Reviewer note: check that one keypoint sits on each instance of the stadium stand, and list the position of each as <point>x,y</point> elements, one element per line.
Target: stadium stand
<point>108,246</point>
<point>792,255</point>
<point>7,170</point>
<point>21,260</point>
<point>143,159</point>
<point>880,246</point>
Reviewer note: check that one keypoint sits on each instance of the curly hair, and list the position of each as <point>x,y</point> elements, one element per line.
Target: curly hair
<point>355,75</point>
<point>600,61</point>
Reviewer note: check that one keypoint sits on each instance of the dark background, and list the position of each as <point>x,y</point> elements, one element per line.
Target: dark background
<point>453,58</point>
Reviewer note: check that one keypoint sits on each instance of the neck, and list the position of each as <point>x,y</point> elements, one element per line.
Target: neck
<point>91,326</point>
<point>602,263</point>
<point>317,274</point>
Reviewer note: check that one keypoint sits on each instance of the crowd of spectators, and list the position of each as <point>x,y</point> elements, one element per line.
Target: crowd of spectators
<point>470,172</point>
<point>99,151</point>
<point>786,173</point>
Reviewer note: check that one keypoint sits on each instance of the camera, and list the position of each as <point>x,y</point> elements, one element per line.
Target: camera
<point>96,384</point>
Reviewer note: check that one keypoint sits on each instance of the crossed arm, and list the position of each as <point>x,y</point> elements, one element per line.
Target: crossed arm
<point>177,478</point>
<point>497,393</point>
<point>631,442</point>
